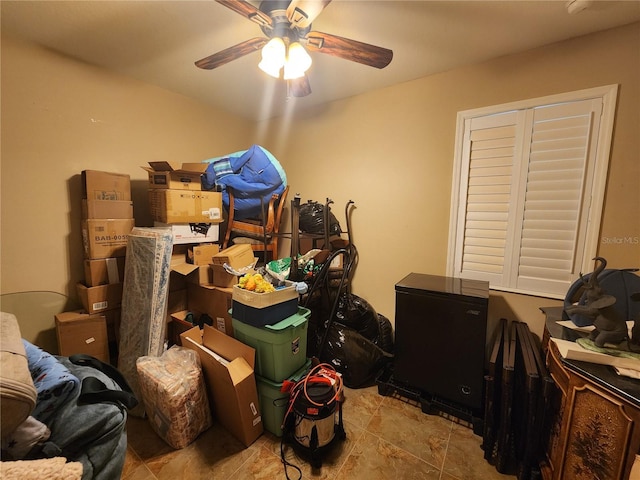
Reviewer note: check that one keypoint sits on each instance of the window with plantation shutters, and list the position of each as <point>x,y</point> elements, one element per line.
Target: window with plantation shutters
<point>528,189</point>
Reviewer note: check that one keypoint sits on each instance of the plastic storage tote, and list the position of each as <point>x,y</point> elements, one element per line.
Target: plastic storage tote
<point>273,402</point>
<point>281,349</point>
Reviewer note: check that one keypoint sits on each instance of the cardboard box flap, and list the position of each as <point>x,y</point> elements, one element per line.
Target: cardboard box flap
<point>179,261</point>
<point>184,268</point>
<point>231,349</point>
<point>173,167</point>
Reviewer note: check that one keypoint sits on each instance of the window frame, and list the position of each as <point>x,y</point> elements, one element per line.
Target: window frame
<point>593,203</point>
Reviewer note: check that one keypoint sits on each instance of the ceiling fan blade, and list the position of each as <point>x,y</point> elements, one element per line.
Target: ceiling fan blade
<point>299,87</point>
<point>302,12</point>
<point>247,10</point>
<point>232,53</point>
<point>348,49</point>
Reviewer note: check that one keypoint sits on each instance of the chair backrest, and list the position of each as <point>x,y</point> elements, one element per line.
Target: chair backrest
<point>278,214</point>
<point>265,228</point>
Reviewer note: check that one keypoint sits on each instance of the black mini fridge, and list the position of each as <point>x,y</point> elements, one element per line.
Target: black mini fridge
<point>440,336</point>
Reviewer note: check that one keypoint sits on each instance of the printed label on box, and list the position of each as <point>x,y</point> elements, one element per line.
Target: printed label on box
<point>221,324</point>
<point>100,305</point>
<point>212,214</point>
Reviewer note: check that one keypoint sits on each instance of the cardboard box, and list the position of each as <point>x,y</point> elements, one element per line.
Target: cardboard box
<point>222,278</point>
<point>106,208</point>
<point>236,256</point>
<point>167,175</point>
<point>231,383</point>
<point>100,298</point>
<point>176,301</point>
<point>177,326</point>
<point>98,185</point>
<point>102,271</point>
<point>215,302</point>
<point>185,206</point>
<point>188,233</point>
<point>198,274</point>
<point>79,332</point>
<point>177,281</point>
<point>105,238</point>
<point>202,254</point>
<point>201,276</point>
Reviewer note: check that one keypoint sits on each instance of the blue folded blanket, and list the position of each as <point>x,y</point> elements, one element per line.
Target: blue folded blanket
<point>254,174</point>
<point>53,381</point>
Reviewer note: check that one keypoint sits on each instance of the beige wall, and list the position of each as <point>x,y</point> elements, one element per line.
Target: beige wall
<point>391,151</point>
<point>60,117</point>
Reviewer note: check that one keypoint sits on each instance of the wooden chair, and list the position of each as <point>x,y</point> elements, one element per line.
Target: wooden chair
<point>260,233</point>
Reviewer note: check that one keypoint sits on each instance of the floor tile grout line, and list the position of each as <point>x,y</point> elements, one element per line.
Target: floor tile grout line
<point>440,469</point>
<point>446,451</point>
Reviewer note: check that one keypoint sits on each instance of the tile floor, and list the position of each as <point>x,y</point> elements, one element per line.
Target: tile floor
<point>387,438</point>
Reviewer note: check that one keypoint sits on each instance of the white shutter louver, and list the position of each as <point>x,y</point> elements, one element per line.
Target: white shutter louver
<point>555,186</point>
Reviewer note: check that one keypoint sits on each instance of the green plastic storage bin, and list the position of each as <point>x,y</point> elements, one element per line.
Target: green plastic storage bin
<point>281,348</point>
<point>273,402</point>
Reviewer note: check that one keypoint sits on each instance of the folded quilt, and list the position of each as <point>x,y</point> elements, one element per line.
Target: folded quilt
<point>53,381</point>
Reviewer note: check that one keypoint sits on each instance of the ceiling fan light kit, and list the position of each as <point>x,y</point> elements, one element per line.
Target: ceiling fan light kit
<point>276,55</point>
<point>287,25</point>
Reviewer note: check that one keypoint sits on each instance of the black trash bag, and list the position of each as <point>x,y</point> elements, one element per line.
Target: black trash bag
<point>316,328</point>
<point>358,360</point>
<point>355,312</point>
<point>386,334</point>
<point>312,219</point>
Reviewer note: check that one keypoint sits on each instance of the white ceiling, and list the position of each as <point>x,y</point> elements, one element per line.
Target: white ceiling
<point>159,41</point>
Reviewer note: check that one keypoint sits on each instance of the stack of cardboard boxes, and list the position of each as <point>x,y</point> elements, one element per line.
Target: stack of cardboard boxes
<point>199,287</point>
<point>177,202</point>
<point>107,220</point>
<point>214,298</point>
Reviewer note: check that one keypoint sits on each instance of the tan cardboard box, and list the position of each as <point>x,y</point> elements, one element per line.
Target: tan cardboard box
<point>215,302</point>
<point>80,332</point>
<point>185,206</point>
<point>177,326</point>
<point>236,256</point>
<point>102,271</point>
<point>100,298</point>
<point>106,208</point>
<point>202,254</point>
<point>231,385</point>
<point>178,177</point>
<point>200,275</point>
<point>177,281</point>
<point>98,185</point>
<point>105,238</point>
<point>177,301</point>
<point>221,278</point>
<point>203,275</point>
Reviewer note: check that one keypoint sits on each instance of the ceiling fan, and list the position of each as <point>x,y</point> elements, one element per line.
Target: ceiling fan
<point>286,25</point>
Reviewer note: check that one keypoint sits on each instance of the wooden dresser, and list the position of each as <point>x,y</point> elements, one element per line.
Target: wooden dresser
<point>594,428</point>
